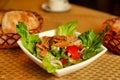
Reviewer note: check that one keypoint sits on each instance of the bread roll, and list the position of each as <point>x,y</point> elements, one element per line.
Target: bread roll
<point>112,38</point>
<point>8,21</point>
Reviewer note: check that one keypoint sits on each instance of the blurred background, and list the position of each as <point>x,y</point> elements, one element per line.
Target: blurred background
<point>109,6</point>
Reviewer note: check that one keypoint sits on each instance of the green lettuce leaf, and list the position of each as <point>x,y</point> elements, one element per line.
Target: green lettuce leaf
<point>68,29</point>
<point>92,41</point>
<point>87,37</point>
<point>48,64</point>
<point>28,40</point>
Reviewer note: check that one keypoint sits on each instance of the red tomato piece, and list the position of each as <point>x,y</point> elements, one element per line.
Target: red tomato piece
<point>73,50</point>
<point>77,56</point>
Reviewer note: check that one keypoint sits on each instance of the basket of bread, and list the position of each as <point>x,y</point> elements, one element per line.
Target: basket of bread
<point>8,21</point>
<point>112,38</point>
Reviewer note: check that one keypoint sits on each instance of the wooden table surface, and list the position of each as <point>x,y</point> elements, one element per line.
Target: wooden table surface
<point>15,65</point>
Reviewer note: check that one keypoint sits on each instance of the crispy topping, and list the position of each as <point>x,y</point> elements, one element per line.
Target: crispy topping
<point>58,41</point>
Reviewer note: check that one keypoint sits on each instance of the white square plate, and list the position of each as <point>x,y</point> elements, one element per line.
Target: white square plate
<point>66,70</point>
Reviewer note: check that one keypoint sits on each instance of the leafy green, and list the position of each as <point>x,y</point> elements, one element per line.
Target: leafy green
<point>87,37</point>
<point>92,41</point>
<point>54,55</point>
<point>68,29</point>
<point>58,53</point>
<point>28,40</point>
<point>48,64</point>
<point>55,52</point>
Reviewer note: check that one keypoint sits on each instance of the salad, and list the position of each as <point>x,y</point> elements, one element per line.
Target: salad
<point>65,48</point>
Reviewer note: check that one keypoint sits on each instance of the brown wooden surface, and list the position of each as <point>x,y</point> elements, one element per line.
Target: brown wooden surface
<point>15,65</point>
